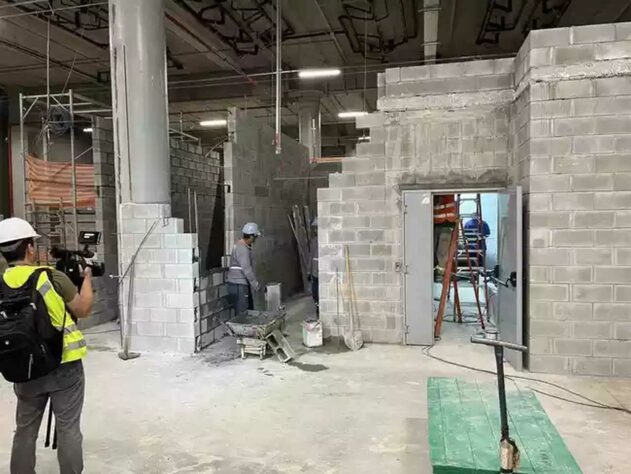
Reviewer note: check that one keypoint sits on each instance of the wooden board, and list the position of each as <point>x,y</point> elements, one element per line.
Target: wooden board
<point>464,430</point>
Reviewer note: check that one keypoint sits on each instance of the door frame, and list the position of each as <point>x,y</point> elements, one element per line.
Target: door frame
<point>432,192</point>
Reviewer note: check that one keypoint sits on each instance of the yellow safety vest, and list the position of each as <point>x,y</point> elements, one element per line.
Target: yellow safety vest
<point>75,347</point>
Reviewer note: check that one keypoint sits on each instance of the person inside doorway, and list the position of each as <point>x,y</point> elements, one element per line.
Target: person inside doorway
<point>477,231</point>
<point>313,266</point>
<point>242,281</point>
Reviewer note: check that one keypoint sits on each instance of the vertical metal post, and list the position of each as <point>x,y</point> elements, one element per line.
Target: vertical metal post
<point>196,212</point>
<point>190,217</point>
<point>75,219</point>
<point>23,155</point>
<point>279,34</point>
<point>499,361</point>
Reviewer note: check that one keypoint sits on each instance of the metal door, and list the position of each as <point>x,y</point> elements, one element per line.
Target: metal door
<point>418,267</point>
<point>509,301</point>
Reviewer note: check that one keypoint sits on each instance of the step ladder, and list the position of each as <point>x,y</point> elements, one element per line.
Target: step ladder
<point>280,346</point>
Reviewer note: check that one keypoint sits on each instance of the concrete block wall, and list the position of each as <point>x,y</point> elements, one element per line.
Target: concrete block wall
<point>575,154</point>
<point>214,308</point>
<point>161,287</point>
<point>436,129</point>
<point>556,120</point>
<point>260,193</point>
<point>192,169</point>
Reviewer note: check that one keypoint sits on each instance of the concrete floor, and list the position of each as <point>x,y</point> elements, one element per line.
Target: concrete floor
<point>333,412</point>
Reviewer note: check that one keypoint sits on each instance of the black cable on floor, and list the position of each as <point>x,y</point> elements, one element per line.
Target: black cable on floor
<point>591,403</point>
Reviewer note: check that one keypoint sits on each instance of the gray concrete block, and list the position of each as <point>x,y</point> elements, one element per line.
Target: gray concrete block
<point>549,37</point>
<point>592,293</point>
<point>549,364</point>
<point>612,200</point>
<point>550,219</point>
<point>573,126</point>
<point>549,292</point>
<point>556,146</point>
<point>612,238</point>
<point>342,236</point>
<point>573,201</point>
<point>601,106</point>
<point>623,144</point>
<point>393,75</point>
<point>593,256</point>
<point>572,238</point>
<point>572,274</point>
<point>593,33</point>
<point>551,109</point>
<point>593,182</point>
<point>447,70</point>
<point>540,345</point>
<point>539,237</point>
<point>622,182</point>
<point>549,257</point>
<point>163,315</point>
<point>541,57</point>
<point>539,202</point>
<point>623,31</point>
<point>593,220</point>
<point>612,348</point>
<point>328,194</point>
<point>613,86</point>
<point>413,73</point>
<point>593,144</point>
<point>550,183</point>
<point>623,294</point>
<point>622,368</point>
<point>181,270</point>
<point>148,270</point>
<point>180,330</point>
<point>538,274</point>
<point>572,89</point>
<point>622,331</point>
<point>573,347</point>
<point>612,312</point>
<point>573,54</point>
<point>612,51</point>
<point>623,256</point>
<point>592,366</point>
<point>612,274</point>
<point>572,311</point>
<point>612,125</point>
<point>150,329</point>
<point>592,329</point>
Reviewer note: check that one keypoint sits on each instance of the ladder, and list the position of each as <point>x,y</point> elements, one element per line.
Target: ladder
<point>465,261</point>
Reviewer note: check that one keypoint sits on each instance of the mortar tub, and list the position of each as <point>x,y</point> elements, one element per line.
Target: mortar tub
<point>256,324</point>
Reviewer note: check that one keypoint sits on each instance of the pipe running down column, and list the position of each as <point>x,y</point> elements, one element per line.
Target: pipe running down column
<point>140,101</point>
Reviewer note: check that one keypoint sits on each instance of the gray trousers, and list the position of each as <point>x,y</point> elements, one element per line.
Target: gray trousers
<point>240,297</point>
<point>65,387</point>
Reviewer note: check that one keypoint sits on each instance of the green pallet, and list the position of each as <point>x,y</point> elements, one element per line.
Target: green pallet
<point>464,430</point>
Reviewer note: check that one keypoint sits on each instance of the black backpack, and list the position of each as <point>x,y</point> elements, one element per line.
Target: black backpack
<point>30,346</point>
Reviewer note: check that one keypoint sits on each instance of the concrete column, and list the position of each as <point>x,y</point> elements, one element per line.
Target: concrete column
<point>139,100</point>
<point>309,123</point>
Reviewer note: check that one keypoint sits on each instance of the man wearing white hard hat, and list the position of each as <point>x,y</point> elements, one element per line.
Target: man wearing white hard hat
<point>54,374</point>
<point>241,276</point>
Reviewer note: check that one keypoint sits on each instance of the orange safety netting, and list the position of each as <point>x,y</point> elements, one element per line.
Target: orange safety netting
<point>50,183</point>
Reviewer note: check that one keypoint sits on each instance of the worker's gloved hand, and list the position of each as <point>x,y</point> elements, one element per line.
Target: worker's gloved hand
<point>257,286</point>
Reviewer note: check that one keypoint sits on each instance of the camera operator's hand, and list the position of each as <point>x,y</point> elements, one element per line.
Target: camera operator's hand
<point>87,272</point>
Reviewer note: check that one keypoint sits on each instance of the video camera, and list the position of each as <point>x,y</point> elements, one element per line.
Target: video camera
<point>72,262</point>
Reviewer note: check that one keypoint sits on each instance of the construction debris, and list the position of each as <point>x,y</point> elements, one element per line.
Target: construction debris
<point>299,222</point>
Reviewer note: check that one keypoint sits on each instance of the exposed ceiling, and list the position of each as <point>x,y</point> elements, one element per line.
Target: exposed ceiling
<point>221,52</point>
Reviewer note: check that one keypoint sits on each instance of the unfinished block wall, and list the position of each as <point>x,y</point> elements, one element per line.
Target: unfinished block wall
<point>556,120</point>
<point>439,126</point>
<point>263,187</point>
<point>195,173</point>
<point>574,146</point>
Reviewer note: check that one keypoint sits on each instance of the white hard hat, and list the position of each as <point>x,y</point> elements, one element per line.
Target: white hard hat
<point>251,229</point>
<point>15,229</point>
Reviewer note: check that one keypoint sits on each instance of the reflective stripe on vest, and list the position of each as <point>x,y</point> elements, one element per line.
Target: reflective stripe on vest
<point>74,343</point>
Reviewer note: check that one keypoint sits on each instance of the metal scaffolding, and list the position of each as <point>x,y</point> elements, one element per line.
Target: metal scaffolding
<point>58,115</point>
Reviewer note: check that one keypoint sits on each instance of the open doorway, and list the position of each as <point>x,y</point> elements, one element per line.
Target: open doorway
<point>463,264</point>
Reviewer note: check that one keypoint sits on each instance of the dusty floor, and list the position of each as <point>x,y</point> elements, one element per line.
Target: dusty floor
<point>334,412</point>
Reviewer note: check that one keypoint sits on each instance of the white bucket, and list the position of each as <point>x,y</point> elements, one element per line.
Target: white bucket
<point>312,333</point>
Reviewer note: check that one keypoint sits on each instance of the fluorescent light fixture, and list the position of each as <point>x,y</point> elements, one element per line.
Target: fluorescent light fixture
<point>214,123</point>
<point>363,139</point>
<point>316,73</point>
<point>88,130</point>
<point>351,114</point>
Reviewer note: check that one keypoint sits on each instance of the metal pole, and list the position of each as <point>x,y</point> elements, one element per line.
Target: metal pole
<point>190,217</point>
<point>499,361</point>
<point>23,155</point>
<point>196,212</point>
<point>279,28</point>
<point>75,219</point>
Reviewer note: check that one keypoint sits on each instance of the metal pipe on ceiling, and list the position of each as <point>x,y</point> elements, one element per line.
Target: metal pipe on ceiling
<point>52,10</point>
<point>279,34</point>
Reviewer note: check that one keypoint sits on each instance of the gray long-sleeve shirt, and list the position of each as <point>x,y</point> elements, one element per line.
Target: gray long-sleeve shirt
<point>241,269</point>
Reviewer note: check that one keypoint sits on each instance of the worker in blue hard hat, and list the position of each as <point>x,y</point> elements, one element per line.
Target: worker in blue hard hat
<point>241,276</point>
